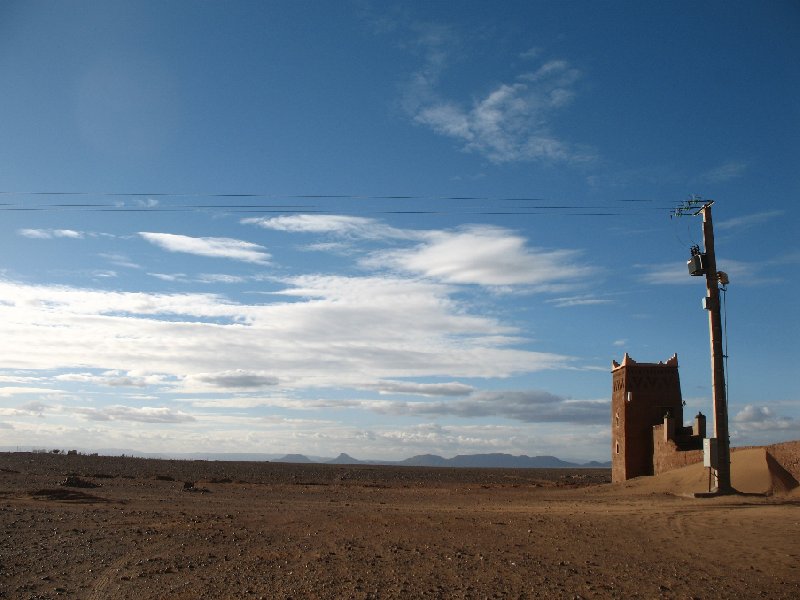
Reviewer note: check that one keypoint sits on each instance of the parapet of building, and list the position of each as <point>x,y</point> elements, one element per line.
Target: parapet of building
<point>647,432</point>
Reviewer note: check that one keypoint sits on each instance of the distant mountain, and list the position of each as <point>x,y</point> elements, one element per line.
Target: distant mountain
<point>497,461</point>
<point>425,460</point>
<point>345,459</point>
<point>508,460</point>
<point>295,458</point>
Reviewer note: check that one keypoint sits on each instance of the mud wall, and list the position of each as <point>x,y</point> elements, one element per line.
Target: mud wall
<point>667,456</point>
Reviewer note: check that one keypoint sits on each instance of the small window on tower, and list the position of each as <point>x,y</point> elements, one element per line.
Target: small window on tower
<point>617,448</point>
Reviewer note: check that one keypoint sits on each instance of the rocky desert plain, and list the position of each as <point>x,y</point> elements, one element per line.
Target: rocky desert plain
<point>94,527</point>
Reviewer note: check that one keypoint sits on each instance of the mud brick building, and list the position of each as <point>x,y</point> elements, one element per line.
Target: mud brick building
<point>647,432</point>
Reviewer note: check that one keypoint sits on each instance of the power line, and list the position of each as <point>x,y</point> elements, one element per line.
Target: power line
<point>273,195</point>
<point>490,205</point>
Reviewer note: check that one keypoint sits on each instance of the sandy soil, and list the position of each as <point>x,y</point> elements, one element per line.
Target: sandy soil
<point>265,530</point>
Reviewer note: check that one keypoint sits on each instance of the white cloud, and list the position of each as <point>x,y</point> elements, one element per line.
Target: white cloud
<point>104,274</point>
<point>112,379</point>
<point>46,234</point>
<point>763,418</point>
<point>64,301</point>
<point>445,440</point>
<point>146,414</point>
<point>208,278</point>
<point>12,391</point>
<point>747,221</point>
<point>486,256</point>
<point>732,169</point>
<point>19,379</point>
<point>169,276</point>
<point>341,225</point>
<point>220,278</point>
<point>531,53</point>
<point>209,246</point>
<point>510,123</point>
<point>331,247</point>
<point>583,300</point>
<point>753,414</point>
<point>120,260</point>
<point>452,388</point>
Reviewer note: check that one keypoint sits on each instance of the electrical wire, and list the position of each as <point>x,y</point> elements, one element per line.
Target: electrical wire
<point>477,205</point>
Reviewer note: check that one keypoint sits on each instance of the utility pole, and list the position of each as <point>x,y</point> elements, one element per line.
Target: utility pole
<point>706,264</point>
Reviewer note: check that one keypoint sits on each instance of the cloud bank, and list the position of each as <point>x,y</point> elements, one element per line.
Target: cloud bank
<point>334,330</point>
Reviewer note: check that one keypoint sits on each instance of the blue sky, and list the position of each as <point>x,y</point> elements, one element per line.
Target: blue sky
<point>384,229</point>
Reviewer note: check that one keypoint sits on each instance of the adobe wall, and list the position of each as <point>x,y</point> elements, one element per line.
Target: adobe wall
<point>668,456</point>
<point>788,455</point>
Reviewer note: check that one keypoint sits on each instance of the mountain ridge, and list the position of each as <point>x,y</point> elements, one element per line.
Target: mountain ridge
<point>496,460</point>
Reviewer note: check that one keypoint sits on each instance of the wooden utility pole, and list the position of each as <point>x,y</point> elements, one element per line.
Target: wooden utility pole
<point>708,267</point>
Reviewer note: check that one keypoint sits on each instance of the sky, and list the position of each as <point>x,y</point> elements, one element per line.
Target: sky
<point>389,229</point>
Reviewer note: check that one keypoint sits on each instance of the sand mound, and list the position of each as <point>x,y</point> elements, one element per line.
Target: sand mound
<point>753,471</point>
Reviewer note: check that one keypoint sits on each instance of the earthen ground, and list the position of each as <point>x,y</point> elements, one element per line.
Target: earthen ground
<point>268,530</point>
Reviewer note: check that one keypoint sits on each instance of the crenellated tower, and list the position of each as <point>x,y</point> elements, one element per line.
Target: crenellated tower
<point>645,395</point>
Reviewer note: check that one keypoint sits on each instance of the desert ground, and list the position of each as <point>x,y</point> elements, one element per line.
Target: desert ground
<point>126,528</point>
